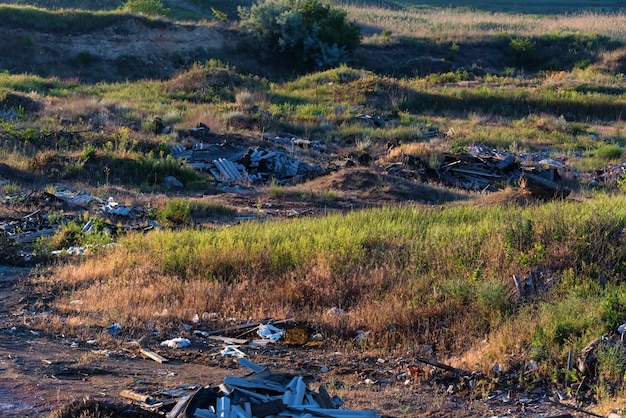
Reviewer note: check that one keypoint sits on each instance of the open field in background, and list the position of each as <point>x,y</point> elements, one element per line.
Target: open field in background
<point>514,6</point>
<point>412,274</point>
<point>475,25</point>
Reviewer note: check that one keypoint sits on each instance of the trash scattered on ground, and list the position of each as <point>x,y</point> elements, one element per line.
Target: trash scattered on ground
<point>270,332</point>
<point>262,393</point>
<point>176,343</point>
<point>114,329</point>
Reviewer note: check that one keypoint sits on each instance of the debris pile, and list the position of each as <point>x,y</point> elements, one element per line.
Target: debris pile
<point>262,393</point>
<point>45,213</point>
<point>231,163</point>
<point>483,169</point>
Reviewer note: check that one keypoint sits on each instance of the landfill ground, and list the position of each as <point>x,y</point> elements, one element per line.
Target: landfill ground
<point>44,375</point>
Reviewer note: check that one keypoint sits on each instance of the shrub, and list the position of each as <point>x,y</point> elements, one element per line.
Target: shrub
<point>308,32</point>
<point>492,298</point>
<point>177,211</point>
<point>610,152</point>
<point>611,369</point>
<point>85,57</point>
<point>146,7</point>
<point>88,154</point>
<point>524,51</point>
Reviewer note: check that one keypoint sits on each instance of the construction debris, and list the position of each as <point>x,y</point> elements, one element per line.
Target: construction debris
<point>261,394</point>
<point>152,355</point>
<point>483,169</point>
<point>231,163</point>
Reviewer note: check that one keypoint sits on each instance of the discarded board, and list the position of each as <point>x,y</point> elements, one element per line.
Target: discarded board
<point>227,339</point>
<point>152,355</point>
<point>129,394</point>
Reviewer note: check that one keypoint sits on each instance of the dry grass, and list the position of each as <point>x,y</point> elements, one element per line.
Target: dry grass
<point>449,25</point>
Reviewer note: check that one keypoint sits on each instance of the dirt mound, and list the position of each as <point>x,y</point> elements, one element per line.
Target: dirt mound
<point>129,48</point>
<point>366,184</point>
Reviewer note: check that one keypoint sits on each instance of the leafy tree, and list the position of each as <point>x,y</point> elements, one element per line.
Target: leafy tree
<point>310,33</point>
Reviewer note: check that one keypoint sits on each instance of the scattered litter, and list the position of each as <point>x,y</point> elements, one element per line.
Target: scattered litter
<point>336,311</point>
<point>270,332</point>
<point>114,329</point>
<point>176,343</point>
<point>209,316</point>
<point>361,336</point>
<point>232,351</point>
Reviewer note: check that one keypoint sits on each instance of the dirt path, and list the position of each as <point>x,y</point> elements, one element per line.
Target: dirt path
<point>39,374</point>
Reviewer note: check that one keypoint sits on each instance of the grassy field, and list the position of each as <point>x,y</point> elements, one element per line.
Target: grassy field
<point>526,7</point>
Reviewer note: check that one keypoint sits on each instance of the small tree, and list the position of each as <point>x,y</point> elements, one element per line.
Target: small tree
<point>307,32</point>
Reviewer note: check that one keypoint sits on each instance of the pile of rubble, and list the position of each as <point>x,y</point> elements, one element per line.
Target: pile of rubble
<point>484,169</point>
<point>262,393</point>
<point>231,163</point>
<point>45,213</point>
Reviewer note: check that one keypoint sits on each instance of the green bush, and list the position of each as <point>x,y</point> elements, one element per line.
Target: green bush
<point>611,369</point>
<point>524,51</point>
<point>146,7</point>
<point>492,298</point>
<point>610,152</point>
<point>88,154</point>
<point>177,211</point>
<point>308,32</point>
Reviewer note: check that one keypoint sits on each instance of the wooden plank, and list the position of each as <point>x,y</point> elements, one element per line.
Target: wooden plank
<point>227,339</point>
<point>152,355</point>
<point>235,328</point>
<point>518,284</point>
<point>129,394</point>
<point>506,163</point>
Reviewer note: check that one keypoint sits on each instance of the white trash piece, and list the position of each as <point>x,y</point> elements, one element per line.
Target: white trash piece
<point>232,351</point>
<point>270,332</point>
<point>176,343</point>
